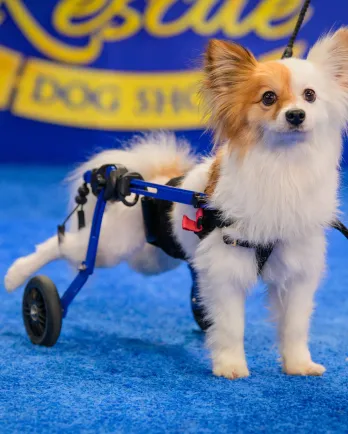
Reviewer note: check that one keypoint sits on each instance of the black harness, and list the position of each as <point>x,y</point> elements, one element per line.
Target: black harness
<point>158,228</point>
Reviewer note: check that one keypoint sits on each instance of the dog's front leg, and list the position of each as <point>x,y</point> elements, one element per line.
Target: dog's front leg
<point>295,327</point>
<point>292,299</point>
<point>225,273</point>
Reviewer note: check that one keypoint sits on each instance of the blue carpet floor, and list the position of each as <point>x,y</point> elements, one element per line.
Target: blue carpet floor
<point>130,358</point>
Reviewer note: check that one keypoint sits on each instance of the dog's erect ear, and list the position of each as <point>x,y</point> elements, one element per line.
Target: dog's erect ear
<point>226,64</point>
<point>331,54</point>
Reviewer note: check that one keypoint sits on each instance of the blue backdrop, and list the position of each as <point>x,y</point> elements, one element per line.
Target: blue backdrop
<point>78,76</point>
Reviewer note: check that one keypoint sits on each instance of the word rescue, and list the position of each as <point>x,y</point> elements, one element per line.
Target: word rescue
<point>104,21</point>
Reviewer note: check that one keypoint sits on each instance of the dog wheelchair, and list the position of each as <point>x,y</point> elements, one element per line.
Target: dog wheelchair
<point>43,310</point>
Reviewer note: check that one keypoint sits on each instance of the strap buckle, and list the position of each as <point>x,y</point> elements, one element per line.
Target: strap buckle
<point>193,225</point>
<point>230,241</point>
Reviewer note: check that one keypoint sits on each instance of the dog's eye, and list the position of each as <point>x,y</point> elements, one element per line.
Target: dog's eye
<point>309,95</point>
<point>269,98</point>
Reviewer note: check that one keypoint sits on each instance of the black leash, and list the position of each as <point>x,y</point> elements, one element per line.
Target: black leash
<point>337,224</point>
<point>288,52</point>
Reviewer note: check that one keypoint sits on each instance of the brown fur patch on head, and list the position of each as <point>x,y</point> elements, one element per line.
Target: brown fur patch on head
<point>268,76</point>
<point>233,87</point>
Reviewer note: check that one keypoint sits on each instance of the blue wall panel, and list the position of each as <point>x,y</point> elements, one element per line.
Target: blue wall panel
<point>77,76</point>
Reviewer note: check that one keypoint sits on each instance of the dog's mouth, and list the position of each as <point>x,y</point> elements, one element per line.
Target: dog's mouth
<point>290,136</point>
<point>293,132</point>
<point>301,129</point>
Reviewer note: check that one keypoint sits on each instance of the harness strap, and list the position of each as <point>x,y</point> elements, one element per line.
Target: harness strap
<point>262,252</point>
<point>157,223</point>
<point>209,219</point>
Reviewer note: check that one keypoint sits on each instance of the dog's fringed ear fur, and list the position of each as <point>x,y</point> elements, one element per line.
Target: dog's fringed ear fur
<point>330,53</point>
<point>227,67</point>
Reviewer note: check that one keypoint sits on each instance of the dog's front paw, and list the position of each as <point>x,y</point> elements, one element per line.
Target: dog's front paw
<point>304,368</point>
<point>231,369</point>
<point>16,275</point>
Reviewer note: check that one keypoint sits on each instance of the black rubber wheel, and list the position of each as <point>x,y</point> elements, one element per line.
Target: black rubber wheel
<point>42,312</point>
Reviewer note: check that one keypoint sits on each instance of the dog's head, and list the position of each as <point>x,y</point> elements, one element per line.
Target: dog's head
<point>283,101</point>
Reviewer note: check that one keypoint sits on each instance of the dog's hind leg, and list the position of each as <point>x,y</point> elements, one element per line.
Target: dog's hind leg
<point>24,267</point>
<point>122,234</point>
<point>73,248</point>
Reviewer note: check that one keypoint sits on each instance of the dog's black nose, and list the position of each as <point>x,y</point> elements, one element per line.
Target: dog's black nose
<point>295,117</point>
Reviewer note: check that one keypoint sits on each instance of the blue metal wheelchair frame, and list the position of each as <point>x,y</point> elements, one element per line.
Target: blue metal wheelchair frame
<point>87,266</point>
<point>139,187</point>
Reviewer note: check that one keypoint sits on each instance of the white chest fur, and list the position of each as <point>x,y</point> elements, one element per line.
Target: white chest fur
<point>275,196</point>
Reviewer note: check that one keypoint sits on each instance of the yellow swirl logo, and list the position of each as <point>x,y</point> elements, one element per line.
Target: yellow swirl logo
<point>89,98</point>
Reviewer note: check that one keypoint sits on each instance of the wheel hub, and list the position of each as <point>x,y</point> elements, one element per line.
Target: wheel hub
<point>34,312</point>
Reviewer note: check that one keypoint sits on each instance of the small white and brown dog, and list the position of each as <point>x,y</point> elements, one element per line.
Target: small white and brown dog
<point>278,146</point>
